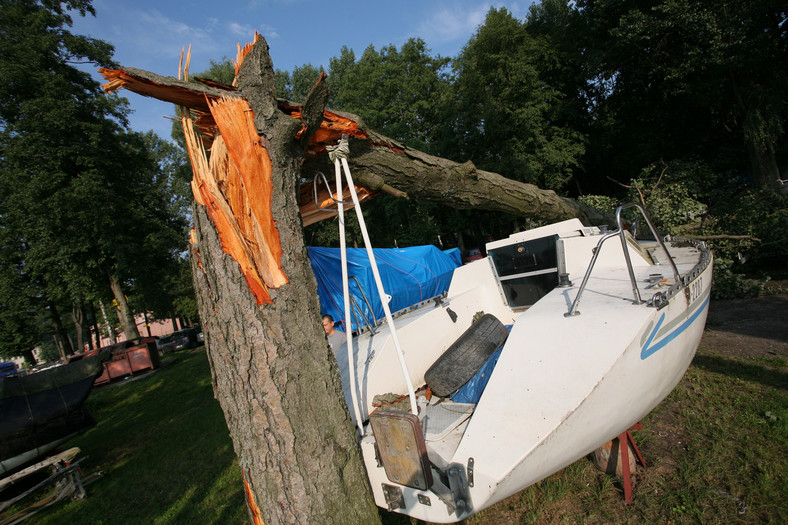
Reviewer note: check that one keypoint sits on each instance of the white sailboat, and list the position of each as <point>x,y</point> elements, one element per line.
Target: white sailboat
<point>591,330</point>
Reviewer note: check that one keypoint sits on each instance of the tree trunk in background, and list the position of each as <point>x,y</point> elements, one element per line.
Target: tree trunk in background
<point>64,343</point>
<point>95,327</point>
<point>78,318</point>
<point>173,319</point>
<point>110,329</point>
<point>763,162</point>
<point>123,310</point>
<point>147,321</point>
<point>272,369</point>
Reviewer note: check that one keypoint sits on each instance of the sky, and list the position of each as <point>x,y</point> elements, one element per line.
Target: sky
<point>150,35</point>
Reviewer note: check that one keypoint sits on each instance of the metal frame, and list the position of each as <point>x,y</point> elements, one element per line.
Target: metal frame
<point>620,233</point>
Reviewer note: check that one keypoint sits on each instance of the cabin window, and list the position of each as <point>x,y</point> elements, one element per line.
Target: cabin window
<point>526,271</point>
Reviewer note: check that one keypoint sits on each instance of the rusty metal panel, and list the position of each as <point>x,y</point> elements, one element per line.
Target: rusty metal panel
<point>104,377</point>
<point>139,359</point>
<point>401,448</point>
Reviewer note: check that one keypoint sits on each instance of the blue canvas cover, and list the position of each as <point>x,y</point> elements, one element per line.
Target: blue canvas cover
<point>409,276</point>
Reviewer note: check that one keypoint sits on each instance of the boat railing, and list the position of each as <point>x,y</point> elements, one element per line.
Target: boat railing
<point>620,232</point>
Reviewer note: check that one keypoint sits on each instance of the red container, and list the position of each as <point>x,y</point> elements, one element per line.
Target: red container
<point>118,368</point>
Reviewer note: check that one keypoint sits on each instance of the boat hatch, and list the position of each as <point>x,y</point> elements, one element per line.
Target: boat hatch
<point>526,271</point>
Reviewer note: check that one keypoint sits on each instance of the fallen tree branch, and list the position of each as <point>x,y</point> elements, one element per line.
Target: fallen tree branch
<point>723,237</point>
<point>378,163</point>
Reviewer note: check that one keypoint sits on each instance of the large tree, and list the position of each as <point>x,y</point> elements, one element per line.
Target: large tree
<point>56,142</point>
<point>84,206</point>
<point>511,111</point>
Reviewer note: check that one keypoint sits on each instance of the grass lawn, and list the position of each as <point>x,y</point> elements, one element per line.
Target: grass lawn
<point>165,451</point>
<point>716,448</point>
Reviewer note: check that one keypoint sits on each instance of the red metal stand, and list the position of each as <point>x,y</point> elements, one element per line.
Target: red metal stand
<point>624,441</point>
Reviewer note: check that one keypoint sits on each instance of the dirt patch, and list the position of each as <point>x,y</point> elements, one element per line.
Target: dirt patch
<point>749,327</point>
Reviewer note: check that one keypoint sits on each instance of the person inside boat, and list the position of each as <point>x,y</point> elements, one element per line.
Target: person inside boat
<point>336,338</point>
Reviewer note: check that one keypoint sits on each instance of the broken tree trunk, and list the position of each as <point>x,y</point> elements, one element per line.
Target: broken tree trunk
<point>273,372</point>
<point>378,163</point>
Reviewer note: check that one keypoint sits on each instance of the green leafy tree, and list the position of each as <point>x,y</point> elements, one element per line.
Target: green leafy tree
<point>398,92</point>
<point>510,115</point>
<point>338,68</point>
<point>222,71</point>
<point>705,78</point>
<point>302,79</point>
<point>18,300</point>
<point>53,127</point>
<point>85,205</point>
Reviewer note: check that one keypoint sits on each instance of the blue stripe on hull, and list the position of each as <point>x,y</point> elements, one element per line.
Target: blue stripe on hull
<point>647,350</point>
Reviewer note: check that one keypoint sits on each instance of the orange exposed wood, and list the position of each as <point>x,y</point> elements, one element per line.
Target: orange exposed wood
<point>257,516</point>
<point>252,202</point>
<point>329,133</point>
<point>199,103</point>
<point>243,51</point>
<point>215,186</point>
<point>311,214</point>
<point>331,129</point>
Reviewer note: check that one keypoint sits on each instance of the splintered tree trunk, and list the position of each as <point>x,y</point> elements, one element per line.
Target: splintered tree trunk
<point>273,372</point>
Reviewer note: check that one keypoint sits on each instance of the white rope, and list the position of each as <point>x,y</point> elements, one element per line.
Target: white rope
<point>339,154</point>
<point>340,151</point>
<point>346,297</point>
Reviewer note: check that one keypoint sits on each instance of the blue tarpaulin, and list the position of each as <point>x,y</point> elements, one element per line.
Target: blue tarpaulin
<point>409,276</point>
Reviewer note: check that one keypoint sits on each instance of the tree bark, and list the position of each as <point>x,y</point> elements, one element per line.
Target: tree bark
<point>272,369</point>
<point>110,330</point>
<point>379,163</point>
<point>78,318</point>
<point>763,162</point>
<point>95,327</point>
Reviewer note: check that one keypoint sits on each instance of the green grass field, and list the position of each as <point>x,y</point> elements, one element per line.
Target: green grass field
<point>716,451</point>
<point>165,452</point>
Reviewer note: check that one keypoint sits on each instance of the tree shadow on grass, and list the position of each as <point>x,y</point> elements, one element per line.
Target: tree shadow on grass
<point>748,372</point>
<point>761,317</point>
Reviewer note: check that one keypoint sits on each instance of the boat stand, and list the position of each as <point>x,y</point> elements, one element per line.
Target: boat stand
<point>65,479</point>
<point>625,440</point>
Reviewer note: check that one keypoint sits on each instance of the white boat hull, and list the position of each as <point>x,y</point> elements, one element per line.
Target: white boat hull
<point>562,386</point>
